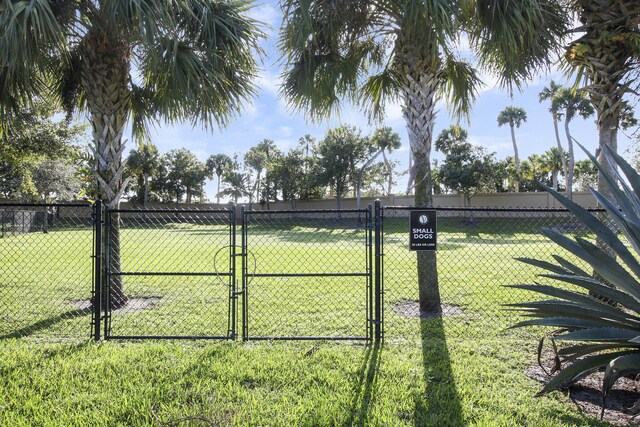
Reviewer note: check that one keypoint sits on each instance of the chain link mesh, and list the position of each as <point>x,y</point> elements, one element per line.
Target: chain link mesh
<point>174,272</point>
<point>476,258</point>
<point>308,274</point>
<point>46,271</point>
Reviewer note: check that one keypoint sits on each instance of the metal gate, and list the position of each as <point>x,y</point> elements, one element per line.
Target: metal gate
<point>295,275</point>
<point>169,273</point>
<point>311,274</point>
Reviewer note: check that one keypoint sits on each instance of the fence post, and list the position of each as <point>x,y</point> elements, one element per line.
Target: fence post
<point>97,296</point>
<point>245,311</point>
<point>378,272</point>
<point>233,285</point>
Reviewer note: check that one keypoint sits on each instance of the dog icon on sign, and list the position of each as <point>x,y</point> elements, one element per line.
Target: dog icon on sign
<point>423,219</point>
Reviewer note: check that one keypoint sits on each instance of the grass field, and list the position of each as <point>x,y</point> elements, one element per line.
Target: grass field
<point>462,369</point>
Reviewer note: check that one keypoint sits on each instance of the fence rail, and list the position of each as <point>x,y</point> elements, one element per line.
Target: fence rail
<point>290,274</point>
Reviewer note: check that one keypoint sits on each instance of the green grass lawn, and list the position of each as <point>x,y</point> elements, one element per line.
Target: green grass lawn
<point>463,369</point>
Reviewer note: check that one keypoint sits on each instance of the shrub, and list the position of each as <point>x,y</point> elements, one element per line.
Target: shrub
<point>603,332</point>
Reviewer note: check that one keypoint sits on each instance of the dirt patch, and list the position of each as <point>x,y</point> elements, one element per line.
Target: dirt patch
<point>134,304</point>
<point>586,395</point>
<point>411,309</point>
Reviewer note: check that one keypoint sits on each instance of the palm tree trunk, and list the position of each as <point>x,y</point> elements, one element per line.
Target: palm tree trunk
<point>565,171</point>
<point>572,163</point>
<point>516,157</point>
<point>218,191</point>
<point>390,170</point>
<point>419,112</point>
<point>105,79</point>
<point>145,199</point>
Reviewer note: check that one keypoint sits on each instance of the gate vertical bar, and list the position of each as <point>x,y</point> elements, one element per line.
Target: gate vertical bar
<point>245,299</point>
<point>232,286</point>
<point>106,280</point>
<point>98,285</point>
<point>370,275</point>
<point>378,272</point>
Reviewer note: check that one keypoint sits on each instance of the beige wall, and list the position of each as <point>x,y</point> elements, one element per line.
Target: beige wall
<point>495,200</point>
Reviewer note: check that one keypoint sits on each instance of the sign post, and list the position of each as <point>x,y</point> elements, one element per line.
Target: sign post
<point>423,230</point>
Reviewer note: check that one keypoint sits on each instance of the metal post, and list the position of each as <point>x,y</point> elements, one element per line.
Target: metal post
<point>378,272</point>
<point>233,286</point>
<point>97,295</point>
<point>106,289</point>
<point>370,269</point>
<point>245,327</point>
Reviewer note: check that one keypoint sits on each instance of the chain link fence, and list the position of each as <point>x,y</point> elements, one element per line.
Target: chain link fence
<point>476,257</point>
<point>308,274</point>
<point>262,274</point>
<point>170,273</point>
<point>46,272</point>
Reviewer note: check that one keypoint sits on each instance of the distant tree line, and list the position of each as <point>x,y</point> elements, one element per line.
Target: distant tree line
<point>340,164</point>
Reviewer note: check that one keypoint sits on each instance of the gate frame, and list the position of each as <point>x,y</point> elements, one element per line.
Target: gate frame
<point>105,274</point>
<point>374,243</point>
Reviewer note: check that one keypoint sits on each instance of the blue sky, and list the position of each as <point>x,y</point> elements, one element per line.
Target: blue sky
<point>268,117</point>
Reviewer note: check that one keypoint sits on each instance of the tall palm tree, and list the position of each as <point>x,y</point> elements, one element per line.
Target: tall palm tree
<point>571,103</point>
<point>374,51</point>
<point>217,164</point>
<point>384,139</point>
<point>514,117</point>
<point>143,163</point>
<point>547,94</point>
<point>194,60</point>
<point>607,57</point>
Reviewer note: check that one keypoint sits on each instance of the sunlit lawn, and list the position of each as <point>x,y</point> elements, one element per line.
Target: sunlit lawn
<point>464,369</point>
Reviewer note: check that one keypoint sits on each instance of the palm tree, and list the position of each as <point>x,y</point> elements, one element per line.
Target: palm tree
<point>547,94</point>
<point>195,60</point>
<point>514,116</point>
<point>256,159</point>
<point>143,163</point>
<point>607,57</point>
<point>552,162</point>
<point>373,51</point>
<point>571,103</point>
<point>217,164</point>
<point>384,139</point>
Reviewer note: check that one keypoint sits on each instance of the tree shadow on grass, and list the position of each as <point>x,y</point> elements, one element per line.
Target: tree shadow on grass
<point>439,404</point>
<point>365,387</point>
<point>47,323</point>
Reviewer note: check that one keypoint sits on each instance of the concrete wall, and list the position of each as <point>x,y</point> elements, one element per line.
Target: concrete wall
<point>537,200</point>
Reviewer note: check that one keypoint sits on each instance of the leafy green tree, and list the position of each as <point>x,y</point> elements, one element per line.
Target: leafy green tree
<point>340,153</point>
<point>548,94</point>
<point>288,171</point>
<point>196,61</point>
<point>571,103</point>
<point>514,117</point>
<point>383,139</point>
<point>466,169</point>
<point>56,180</point>
<point>185,175</point>
<point>217,164</point>
<point>143,163</point>
<point>374,51</point>
<point>31,136</point>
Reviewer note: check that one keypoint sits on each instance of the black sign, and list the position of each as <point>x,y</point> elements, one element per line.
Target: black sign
<point>422,235</point>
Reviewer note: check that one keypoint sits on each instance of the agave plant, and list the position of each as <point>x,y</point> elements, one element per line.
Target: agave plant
<point>601,325</point>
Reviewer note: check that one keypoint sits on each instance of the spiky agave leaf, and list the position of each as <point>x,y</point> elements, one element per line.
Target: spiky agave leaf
<point>604,336</point>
